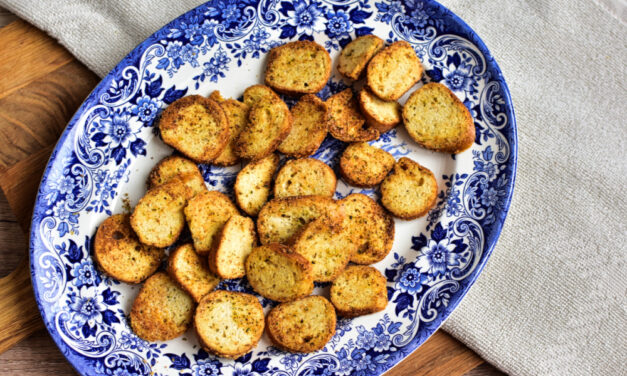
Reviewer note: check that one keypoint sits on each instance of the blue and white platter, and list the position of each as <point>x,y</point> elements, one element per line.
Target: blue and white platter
<point>100,164</point>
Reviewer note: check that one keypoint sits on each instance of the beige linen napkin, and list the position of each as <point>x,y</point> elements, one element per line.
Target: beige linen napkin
<point>552,298</point>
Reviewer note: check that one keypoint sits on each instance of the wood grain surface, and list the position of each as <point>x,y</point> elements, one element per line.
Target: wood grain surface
<point>37,98</point>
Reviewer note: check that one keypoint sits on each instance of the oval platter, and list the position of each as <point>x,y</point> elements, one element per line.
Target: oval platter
<point>100,164</point>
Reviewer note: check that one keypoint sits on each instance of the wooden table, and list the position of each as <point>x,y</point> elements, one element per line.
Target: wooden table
<point>37,98</point>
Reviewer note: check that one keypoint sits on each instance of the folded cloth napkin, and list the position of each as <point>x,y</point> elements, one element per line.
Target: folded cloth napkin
<point>552,298</point>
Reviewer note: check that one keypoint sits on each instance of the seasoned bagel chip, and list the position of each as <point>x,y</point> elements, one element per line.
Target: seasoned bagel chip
<point>237,114</point>
<point>177,167</point>
<point>346,123</point>
<point>356,55</point>
<point>393,71</point>
<point>229,324</point>
<point>309,127</point>
<point>191,273</point>
<point>270,121</point>
<point>196,126</point>
<point>162,310</point>
<point>304,177</point>
<point>301,67</point>
<point>276,272</point>
<point>359,290</point>
<point>118,252</point>
<point>236,242</point>
<point>158,216</point>
<point>253,182</point>
<point>410,190</point>
<point>280,219</point>
<point>371,226</point>
<point>206,214</point>
<point>363,165</point>
<point>327,247</point>
<point>380,115</point>
<point>254,94</point>
<point>436,119</point>
<point>304,325</point>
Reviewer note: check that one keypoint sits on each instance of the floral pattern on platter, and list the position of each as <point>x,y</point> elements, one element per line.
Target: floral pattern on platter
<point>113,137</point>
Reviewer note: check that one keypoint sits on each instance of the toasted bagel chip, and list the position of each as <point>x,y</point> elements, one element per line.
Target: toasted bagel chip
<point>301,67</point>
<point>229,324</point>
<point>304,325</point>
<point>359,290</point>
<point>191,273</point>
<point>327,247</point>
<point>346,123</point>
<point>270,121</point>
<point>304,177</point>
<point>393,71</point>
<point>237,115</point>
<point>280,219</point>
<point>380,115</point>
<point>410,190</point>
<point>371,226</point>
<point>118,252</point>
<point>254,94</point>
<point>162,310</point>
<point>276,272</point>
<point>356,55</point>
<point>236,242</point>
<point>436,119</point>
<point>253,182</point>
<point>309,127</point>
<point>363,165</point>
<point>206,214</point>
<point>177,167</point>
<point>196,126</point>
<point>158,216</point>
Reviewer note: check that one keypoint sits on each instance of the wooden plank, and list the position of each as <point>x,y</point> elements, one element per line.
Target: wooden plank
<point>27,54</point>
<point>35,356</point>
<point>12,239</point>
<point>439,355</point>
<point>34,116</point>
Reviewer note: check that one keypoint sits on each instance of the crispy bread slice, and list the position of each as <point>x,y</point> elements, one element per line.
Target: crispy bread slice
<point>206,214</point>
<point>282,218</point>
<point>162,310</point>
<point>304,177</point>
<point>436,119</point>
<point>372,228</point>
<point>236,242</point>
<point>356,55</point>
<point>308,129</point>
<point>301,67</point>
<point>158,216</point>
<point>393,71</point>
<point>253,94</point>
<point>118,252</point>
<point>346,123</point>
<point>359,290</point>
<point>363,165</point>
<point>196,126</point>
<point>177,167</point>
<point>191,273</point>
<point>328,247</point>
<point>253,182</point>
<point>237,115</point>
<point>380,115</point>
<point>229,324</point>
<point>410,190</point>
<point>270,121</point>
<point>276,272</point>
<point>304,325</point>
